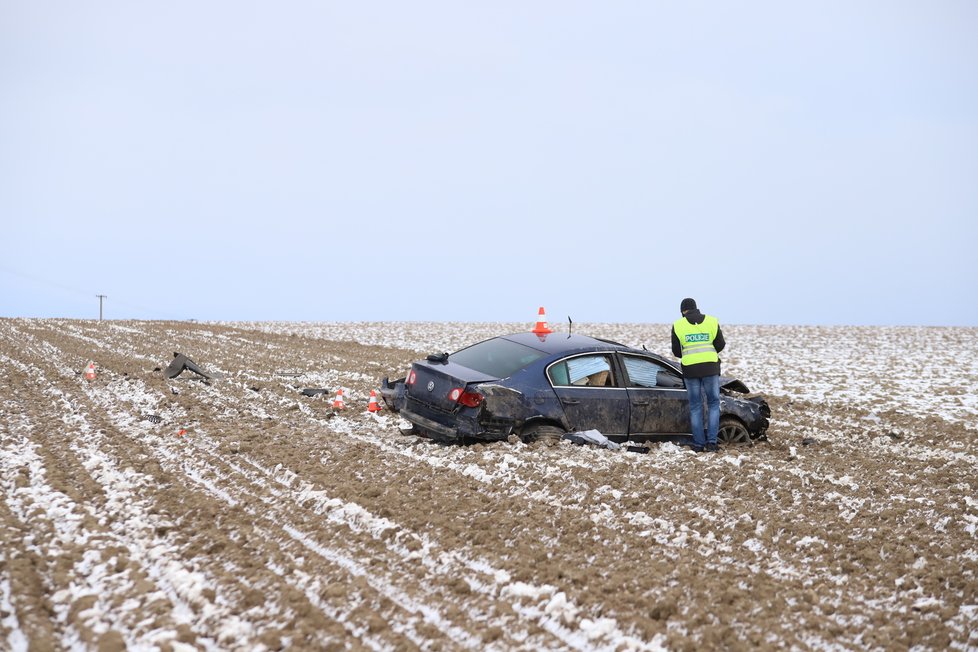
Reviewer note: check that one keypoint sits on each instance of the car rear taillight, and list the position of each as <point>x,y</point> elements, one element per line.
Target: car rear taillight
<point>468,399</point>
<point>411,377</point>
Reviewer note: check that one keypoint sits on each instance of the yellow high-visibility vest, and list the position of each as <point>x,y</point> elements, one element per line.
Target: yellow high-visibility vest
<point>697,340</point>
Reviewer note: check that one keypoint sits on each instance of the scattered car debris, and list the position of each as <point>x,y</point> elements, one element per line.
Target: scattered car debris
<point>153,418</point>
<point>591,437</point>
<point>807,441</point>
<point>314,391</point>
<point>637,449</point>
<point>182,362</point>
<point>895,436</point>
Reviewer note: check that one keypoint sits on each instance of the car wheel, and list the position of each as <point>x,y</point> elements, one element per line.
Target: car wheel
<point>543,433</point>
<point>732,431</point>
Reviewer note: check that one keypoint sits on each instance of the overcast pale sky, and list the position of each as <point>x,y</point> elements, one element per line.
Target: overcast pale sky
<point>781,162</point>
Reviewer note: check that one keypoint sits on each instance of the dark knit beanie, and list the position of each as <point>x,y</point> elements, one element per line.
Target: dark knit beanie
<point>687,304</point>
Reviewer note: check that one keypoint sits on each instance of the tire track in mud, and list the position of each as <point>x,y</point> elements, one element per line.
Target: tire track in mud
<point>48,515</point>
<point>84,609</point>
<point>270,521</point>
<point>450,565</point>
<point>553,597</point>
<point>383,586</point>
<point>158,479</point>
<point>480,576</point>
<point>546,625</point>
<point>215,396</point>
<point>26,613</point>
<point>256,498</point>
<point>572,563</point>
<point>121,528</point>
<point>681,539</point>
<point>95,446</point>
<point>827,537</point>
<point>507,477</point>
<point>806,568</point>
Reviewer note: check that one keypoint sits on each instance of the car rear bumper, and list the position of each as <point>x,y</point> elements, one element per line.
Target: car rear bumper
<point>392,394</point>
<point>430,427</point>
<point>461,428</point>
<point>446,426</point>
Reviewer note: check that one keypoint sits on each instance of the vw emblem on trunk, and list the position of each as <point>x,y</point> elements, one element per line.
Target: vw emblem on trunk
<point>431,385</point>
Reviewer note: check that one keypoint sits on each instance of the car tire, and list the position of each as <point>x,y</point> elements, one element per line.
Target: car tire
<point>732,431</point>
<point>542,433</point>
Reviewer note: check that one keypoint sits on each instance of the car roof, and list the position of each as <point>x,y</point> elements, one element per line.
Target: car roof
<point>564,343</point>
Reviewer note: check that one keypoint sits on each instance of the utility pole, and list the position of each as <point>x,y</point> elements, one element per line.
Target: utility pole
<point>100,297</point>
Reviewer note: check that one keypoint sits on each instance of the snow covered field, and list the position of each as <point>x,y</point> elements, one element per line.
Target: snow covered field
<point>252,517</point>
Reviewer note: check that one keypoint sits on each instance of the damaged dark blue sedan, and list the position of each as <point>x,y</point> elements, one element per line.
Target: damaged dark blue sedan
<point>539,387</point>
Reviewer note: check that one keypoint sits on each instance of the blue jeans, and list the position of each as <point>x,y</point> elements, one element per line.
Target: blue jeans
<point>695,389</point>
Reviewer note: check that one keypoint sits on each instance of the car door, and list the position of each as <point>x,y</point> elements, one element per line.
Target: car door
<point>657,398</point>
<point>591,394</point>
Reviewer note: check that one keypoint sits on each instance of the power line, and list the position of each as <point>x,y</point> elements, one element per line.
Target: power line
<point>45,281</point>
<point>84,293</point>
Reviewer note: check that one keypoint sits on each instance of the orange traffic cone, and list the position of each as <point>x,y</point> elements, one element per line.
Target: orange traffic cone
<point>338,401</point>
<point>90,371</point>
<point>541,327</point>
<point>373,406</point>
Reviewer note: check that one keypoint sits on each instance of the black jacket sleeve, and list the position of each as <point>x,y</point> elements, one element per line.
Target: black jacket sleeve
<point>718,341</point>
<point>677,349</point>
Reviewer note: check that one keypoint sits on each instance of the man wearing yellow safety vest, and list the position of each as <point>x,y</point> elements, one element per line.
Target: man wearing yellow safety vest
<point>697,339</point>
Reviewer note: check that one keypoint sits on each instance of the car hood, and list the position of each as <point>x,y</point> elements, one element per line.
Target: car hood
<point>733,385</point>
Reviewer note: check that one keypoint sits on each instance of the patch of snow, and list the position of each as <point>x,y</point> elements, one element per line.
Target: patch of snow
<point>16,640</point>
<point>561,608</point>
<point>926,603</point>
<point>599,628</point>
<point>754,545</point>
<point>807,542</point>
<point>524,590</point>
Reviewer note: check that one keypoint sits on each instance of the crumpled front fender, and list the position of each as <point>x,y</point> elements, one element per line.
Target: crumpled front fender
<point>733,385</point>
<point>392,394</point>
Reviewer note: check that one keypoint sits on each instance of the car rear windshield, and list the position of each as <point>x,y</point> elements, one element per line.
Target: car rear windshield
<point>499,358</point>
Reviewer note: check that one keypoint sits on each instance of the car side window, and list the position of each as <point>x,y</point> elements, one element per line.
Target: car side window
<point>643,372</point>
<point>583,371</point>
